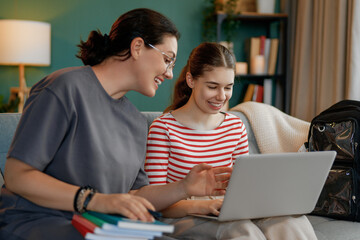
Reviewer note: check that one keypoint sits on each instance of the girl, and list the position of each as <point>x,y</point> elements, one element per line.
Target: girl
<point>194,130</point>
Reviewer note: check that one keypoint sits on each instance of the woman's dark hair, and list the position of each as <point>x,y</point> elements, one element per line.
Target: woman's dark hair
<point>203,58</point>
<point>150,25</point>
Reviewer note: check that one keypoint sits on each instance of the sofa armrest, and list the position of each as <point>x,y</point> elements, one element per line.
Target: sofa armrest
<point>8,125</point>
<point>253,146</point>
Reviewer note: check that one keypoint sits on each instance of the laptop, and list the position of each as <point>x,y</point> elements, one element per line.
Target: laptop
<point>268,185</point>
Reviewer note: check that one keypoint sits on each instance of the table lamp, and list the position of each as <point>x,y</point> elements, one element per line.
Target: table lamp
<point>24,42</point>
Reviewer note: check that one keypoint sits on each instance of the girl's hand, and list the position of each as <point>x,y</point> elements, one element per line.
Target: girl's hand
<point>204,180</point>
<point>207,206</point>
<point>128,205</point>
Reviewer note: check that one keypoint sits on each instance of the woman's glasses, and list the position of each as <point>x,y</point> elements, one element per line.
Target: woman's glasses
<point>170,61</point>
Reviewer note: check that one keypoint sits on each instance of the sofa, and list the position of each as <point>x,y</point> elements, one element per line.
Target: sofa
<point>325,228</point>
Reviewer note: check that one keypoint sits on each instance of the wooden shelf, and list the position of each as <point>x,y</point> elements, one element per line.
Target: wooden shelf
<point>267,15</point>
<point>281,15</point>
<point>253,16</point>
<point>267,20</point>
<point>260,76</point>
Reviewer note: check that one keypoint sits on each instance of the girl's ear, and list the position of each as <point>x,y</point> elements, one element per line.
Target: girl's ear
<point>136,47</point>
<point>189,80</point>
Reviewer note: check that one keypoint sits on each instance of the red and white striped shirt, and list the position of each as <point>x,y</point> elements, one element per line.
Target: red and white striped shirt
<point>173,149</point>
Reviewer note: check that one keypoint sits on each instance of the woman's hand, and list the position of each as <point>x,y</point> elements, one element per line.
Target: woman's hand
<point>184,208</point>
<point>128,205</point>
<point>47,191</point>
<point>204,180</point>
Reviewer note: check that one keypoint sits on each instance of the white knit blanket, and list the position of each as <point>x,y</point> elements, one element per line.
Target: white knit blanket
<point>274,130</point>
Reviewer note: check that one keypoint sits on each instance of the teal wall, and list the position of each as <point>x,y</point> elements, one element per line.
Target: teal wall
<point>72,20</point>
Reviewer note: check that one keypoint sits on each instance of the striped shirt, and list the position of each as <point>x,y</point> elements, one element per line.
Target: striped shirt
<point>173,149</point>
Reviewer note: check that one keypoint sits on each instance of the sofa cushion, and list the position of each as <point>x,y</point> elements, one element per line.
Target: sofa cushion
<point>332,229</point>
<point>150,116</point>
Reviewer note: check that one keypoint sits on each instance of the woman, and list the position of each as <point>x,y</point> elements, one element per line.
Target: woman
<point>80,144</point>
<point>194,130</point>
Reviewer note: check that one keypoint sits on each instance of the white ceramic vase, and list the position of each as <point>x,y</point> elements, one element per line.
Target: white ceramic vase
<point>265,6</point>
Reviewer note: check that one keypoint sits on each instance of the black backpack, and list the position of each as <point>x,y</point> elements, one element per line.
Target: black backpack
<point>338,128</point>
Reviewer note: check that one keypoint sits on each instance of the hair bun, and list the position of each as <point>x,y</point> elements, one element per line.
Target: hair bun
<point>106,40</point>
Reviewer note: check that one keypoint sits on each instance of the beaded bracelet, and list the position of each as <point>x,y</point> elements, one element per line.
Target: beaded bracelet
<point>88,199</point>
<point>78,203</point>
<point>76,198</point>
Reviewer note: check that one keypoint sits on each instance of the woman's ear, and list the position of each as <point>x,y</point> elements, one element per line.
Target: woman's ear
<point>136,46</point>
<point>189,80</point>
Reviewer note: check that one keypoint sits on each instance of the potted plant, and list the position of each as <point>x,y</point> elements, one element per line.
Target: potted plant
<point>229,25</point>
<point>8,107</point>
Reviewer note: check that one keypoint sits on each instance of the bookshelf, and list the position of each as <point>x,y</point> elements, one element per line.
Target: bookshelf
<point>280,81</point>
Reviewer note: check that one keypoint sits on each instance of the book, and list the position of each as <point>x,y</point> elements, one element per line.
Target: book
<point>267,54</point>
<point>124,222</point>
<point>252,46</point>
<point>274,46</point>
<point>249,92</point>
<point>89,230</point>
<point>259,97</point>
<point>82,228</point>
<point>253,98</point>
<point>258,93</point>
<point>91,236</point>
<point>114,228</point>
<point>268,91</point>
<point>262,45</point>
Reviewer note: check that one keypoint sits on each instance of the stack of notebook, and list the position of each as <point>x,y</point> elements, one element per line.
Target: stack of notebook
<point>94,225</point>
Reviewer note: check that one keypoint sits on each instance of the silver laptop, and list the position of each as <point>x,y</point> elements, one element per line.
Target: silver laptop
<point>267,185</point>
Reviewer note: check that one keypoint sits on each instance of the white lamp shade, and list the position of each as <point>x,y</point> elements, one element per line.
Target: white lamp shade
<point>24,42</point>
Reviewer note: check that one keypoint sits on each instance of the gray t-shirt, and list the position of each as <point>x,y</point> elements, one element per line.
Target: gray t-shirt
<point>73,130</point>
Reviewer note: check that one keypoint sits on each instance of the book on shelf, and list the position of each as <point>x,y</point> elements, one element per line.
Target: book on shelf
<point>258,94</point>
<point>127,223</point>
<point>267,54</point>
<point>91,229</point>
<point>267,47</point>
<point>268,91</point>
<point>273,55</point>
<point>252,47</point>
<point>254,92</point>
<point>262,45</point>
<point>249,93</point>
